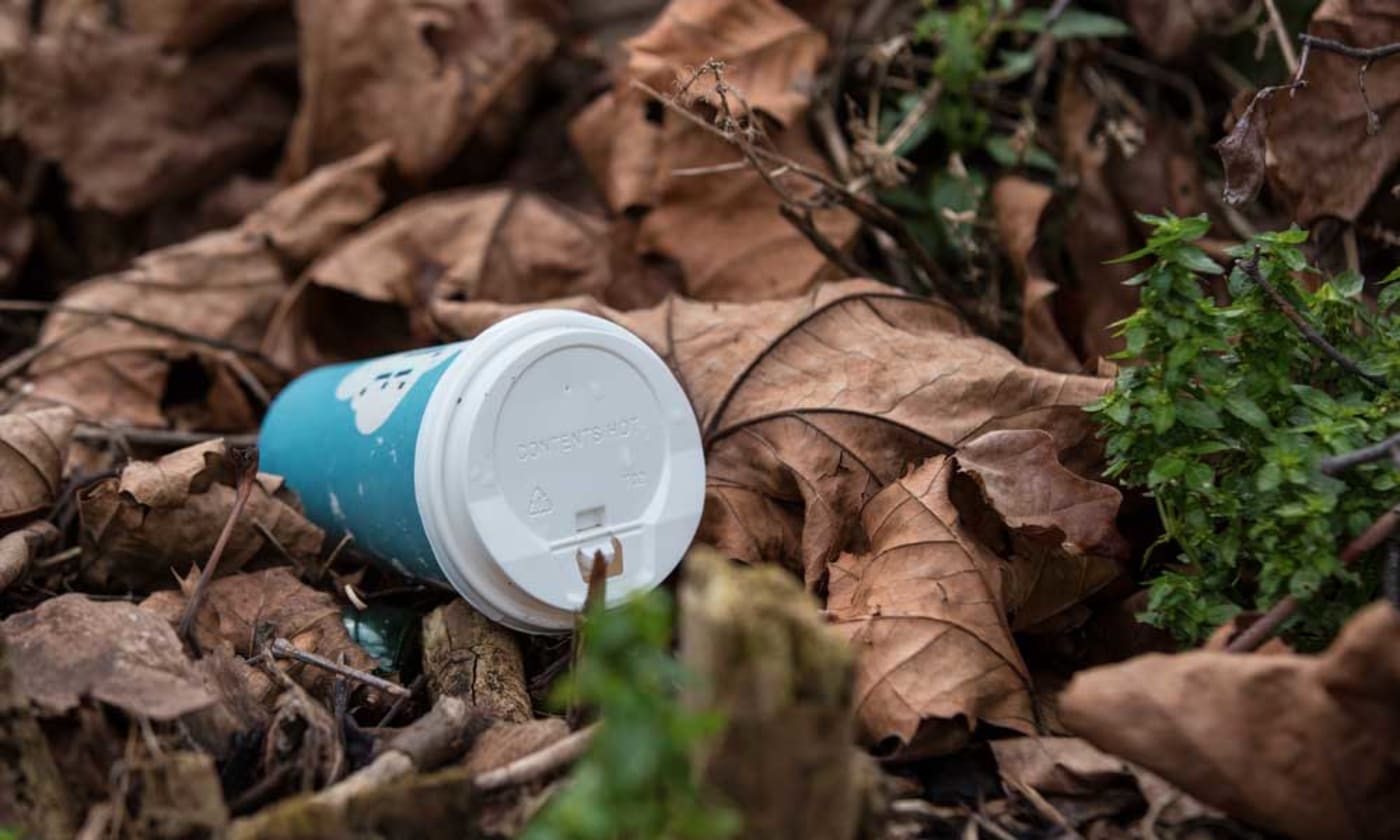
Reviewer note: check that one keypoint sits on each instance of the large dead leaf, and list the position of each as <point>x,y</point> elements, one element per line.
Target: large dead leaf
<point>33,450</point>
<point>180,24</point>
<point>810,405</point>
<point>1170,30</point>
<point>724,228</point>
<point>1322,158</point>
<point>159,518</point>
<point>1304,745</point>
<point>1018,204</point>
<point>427,76</point>
<point>132,124</point>
<point>923,611</point>
<point>222,287</point>
<point>239,610</point>
<point>1059,539</point>
<point>71,647</point>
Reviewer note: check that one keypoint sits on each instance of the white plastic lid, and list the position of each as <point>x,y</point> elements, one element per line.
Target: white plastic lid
<point>555,435</point>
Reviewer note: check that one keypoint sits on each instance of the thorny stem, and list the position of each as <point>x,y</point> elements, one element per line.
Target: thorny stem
<point>1268,624</point>
<point>284,649</point>
<point>867,211</point>
<point>243,461</point>
<point>1366,454</point>
<point>1251,269</point>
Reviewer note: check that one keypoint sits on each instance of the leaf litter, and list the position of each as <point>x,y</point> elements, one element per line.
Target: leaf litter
<point>199,201</point>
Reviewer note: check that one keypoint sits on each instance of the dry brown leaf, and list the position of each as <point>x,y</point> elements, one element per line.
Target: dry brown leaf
<point>33,450</point>
<point>1070,770</point>
<point>426,76</point>
<point>934,654</point>
<point>1303,745</point>
<point>239,609</point>
<point>723,228</point>
<point>500,245</point>
<point>19,548</point>
<point>223,287</point>
<point>1170,30</point>
<point>1242,153</point>
<point>1018,204</point>
<point>71,647</point>
<point>179,24</point>
<point>132,124</point>
<point>810,405</point>
<point>1063,545</point>
<point>1322,157</point>
<point>1115,181</point>
<point>159,518</point>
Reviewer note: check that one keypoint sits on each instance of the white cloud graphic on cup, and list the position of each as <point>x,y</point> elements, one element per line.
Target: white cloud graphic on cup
<point>376,387</point>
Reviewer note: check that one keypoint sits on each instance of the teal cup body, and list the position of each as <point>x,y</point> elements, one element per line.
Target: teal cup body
<point>345,438</point>
<point>501,466</point>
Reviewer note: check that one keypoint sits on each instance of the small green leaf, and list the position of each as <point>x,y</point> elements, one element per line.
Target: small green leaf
<point>1349,283</point>
<point>1195,259</point>
<point>1165,469</point>
<point>1197,414</point>
<point>1392,276</point>
<point>1268,478</point>
<point>1247,410</point>
<point>1389,295</point>
<point>1199,477</point>
<point>1163,417</point>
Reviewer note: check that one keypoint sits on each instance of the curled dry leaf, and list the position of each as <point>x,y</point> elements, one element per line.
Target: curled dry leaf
<point>425,76</point>
<point>223,287</point>
<point>810,405</point>
<point>1170,30</point>
<point>132,124</point>
<point>19,548</point>
<point>1242,152</point>
<point>1324,159</point>
<point>934,654</point>
<point>33,450</point>
<point>159,518</point>
<point>1017,204</point>
<point>1060,543</point>
<point>71,647</point>
<point>723,228</point>
<point>1071,770</point>
<point>1303,745</point>
<point>240,609</point>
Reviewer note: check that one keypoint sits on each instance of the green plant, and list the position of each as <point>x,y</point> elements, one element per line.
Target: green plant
<point>637,779</point>
<point>1223,414</point>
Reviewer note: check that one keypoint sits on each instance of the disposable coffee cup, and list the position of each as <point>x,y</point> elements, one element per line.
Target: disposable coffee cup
<point>503,464</point>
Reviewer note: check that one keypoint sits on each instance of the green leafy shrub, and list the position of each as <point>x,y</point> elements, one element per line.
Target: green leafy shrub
<point>637,779</point>
<point>1222,412</point>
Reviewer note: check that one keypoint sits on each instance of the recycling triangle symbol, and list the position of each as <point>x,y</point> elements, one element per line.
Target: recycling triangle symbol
<point>540,503</point>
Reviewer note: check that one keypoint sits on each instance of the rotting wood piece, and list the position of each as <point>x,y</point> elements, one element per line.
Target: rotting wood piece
<point>350,807</point>
<point>763,658</point>
<point>467,655</point>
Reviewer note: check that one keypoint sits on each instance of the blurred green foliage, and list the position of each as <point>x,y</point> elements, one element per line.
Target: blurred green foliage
<point>638,779</point>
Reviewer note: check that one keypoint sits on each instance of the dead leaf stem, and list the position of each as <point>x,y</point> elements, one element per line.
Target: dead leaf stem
<point>244,462</point>
<point>539,763</point>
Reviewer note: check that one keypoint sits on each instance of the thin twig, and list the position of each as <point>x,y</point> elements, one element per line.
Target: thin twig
<point>286,650</point>
<point>1251,270</point>
<point>402,700</point>
<point>243,461</point>
<point>1285,44</point>
<point>1337,464</point>
<point>802,221</point>
<point>539,763</point>
<point>274,542</point>
<point>1371,54</point>
<point>136,320</point>
<point>173,438</point>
